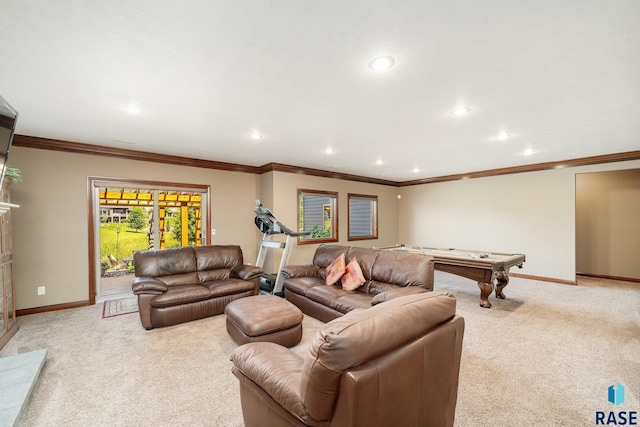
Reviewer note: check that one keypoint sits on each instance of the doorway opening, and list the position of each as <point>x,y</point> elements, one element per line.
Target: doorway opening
<point>131,215</point>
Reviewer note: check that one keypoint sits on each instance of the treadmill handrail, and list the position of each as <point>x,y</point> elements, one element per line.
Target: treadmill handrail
<point>270,220</point>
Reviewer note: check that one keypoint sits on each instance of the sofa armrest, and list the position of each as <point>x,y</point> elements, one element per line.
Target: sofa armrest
<point>246,272</point>
<point>273,368</point>
<point>303,270</point>
<point>148,285</point>
<point>395,293</point>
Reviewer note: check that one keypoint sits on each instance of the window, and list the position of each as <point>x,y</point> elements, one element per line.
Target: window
<point>363,217</point>
<point>317,215</point>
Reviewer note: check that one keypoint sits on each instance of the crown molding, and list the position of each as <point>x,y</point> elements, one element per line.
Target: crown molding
<point>76,147</point>
<point>583,161</point>
<point>279,167</point>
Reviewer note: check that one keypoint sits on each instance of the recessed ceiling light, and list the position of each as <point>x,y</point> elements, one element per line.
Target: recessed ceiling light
<point>329,150</point>
<point>255,135</point>
<point>382,63</point>
<point>460,111</point>
<point>529,151</point>
<point>416,170</point>
<point>503,136</point>
<point>379,162</point>
<point>133,110</point>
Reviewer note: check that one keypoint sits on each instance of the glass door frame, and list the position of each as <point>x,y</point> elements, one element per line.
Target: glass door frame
<point>93,198</point>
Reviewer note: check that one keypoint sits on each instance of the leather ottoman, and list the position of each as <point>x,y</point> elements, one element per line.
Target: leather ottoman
<point>263,318</point>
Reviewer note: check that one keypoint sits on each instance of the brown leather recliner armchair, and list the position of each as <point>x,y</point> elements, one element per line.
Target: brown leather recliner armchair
<point>395,364</point>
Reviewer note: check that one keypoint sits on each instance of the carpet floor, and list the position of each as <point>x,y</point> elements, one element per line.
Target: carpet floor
<point>543,357</point>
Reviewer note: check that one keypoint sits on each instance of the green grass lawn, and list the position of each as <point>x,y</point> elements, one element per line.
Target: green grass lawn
<point>121,245</point>
<point>124,244</point>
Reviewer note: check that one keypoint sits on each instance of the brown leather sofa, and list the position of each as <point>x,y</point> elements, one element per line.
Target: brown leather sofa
<point>395,364</point>
<point>387,274</point>
<point>183,284</point>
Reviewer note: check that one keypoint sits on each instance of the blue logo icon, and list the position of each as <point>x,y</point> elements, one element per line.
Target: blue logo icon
<point>616,394</point>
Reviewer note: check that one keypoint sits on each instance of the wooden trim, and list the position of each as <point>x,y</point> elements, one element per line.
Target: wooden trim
<point>335,233</point>
<point>55,307</point>
<point>76,147</point>
<point>92,255</point>
<point>543,279</point>
<point>583,161</point>
<point>6,337</point>
<point>602,276</point>
<point>149,183</point>
<point>279,167</point>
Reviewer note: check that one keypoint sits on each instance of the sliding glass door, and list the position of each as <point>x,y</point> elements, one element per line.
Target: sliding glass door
<point>128,216</point>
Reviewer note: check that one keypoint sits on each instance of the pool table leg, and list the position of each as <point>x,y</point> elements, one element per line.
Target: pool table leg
<point>485,291</point>
<point>503,280</point>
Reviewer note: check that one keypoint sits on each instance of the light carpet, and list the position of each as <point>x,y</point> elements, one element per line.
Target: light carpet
<point>543,357</point>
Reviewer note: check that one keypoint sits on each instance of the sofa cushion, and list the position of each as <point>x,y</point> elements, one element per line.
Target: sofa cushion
<point>335,270</point>
<point>210,275</point>
<point>403,269</point>
<point>352,301</point>
<point>366,258</point>
<point>180,295</point>
<point>395,293</point>
<point>300,285</point>
<point>217,256</point>
<point>326,295</point>
<point>219,288</point>
<point>353,277</point>
<point>325,255</point>
<point>180,279</point>
<point>164,262</point>
<point>376,287</point>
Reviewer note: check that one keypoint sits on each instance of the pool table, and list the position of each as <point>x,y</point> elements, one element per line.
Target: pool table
<point>483,267</point>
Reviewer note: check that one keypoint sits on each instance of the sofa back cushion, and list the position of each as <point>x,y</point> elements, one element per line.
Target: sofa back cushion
<point>403,269</point>
<point>216,257</point>
<point>325,255</point>
<point>366,258</point>
<point>216,261</point>
<point>363,335</point>
<point>188,265</point>
<point>165,262</point>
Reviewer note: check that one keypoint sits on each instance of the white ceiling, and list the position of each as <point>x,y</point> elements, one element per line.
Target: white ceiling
<point>561,76</point>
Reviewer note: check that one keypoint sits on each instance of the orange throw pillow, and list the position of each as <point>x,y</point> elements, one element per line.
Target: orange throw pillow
<point>353,277</point>
<point>335,270</point>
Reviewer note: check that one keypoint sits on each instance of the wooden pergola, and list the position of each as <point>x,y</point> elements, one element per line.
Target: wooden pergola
<point>137,197</point>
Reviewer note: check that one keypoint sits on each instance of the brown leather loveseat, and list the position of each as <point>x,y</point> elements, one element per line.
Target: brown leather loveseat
<point>189,283</point>
<point>387,275</point>
<point>395,364</point>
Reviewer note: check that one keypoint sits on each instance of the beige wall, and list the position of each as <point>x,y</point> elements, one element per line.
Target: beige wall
<point>608,223</point>
<point>284,206</point>
<point>50,229</point>
<point>531,213</point>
